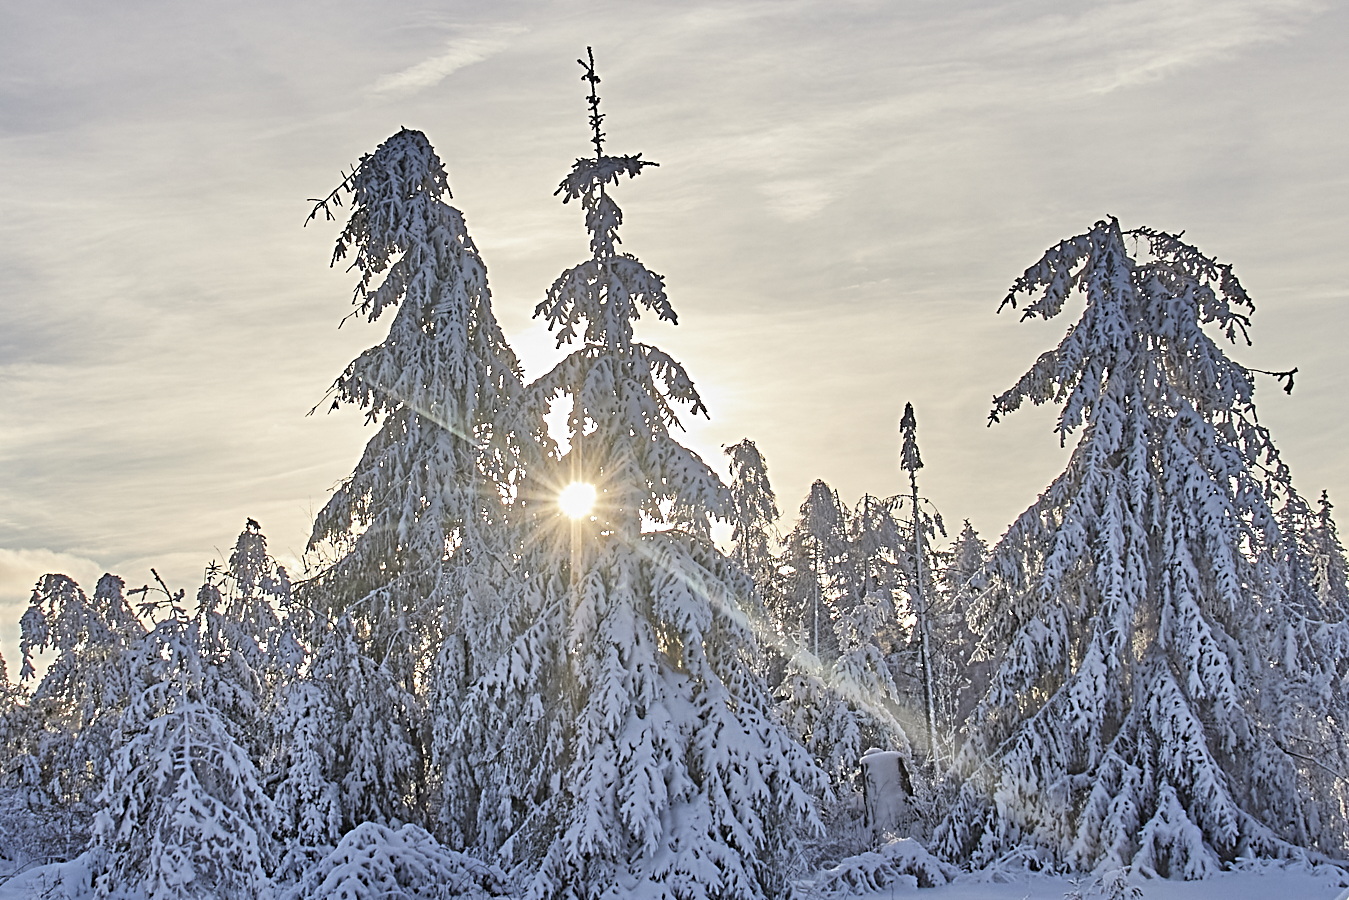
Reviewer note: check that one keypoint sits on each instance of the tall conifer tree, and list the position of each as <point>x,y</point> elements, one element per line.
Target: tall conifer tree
<point>674,780</point>
<point>1128,605</point>
<point>430,484</point>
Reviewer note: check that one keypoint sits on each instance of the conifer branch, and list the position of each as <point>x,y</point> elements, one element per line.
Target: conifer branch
<point>1285,379</point>
<point>334,198</point>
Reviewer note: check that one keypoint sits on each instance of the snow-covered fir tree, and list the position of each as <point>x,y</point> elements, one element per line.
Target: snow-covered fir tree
<point>307,793</point>
<point>1329,567</point>
<point>1306,641</point>
<point>962,673</point>
<point>1128,607</point>
<point>247,651</point>
<point>924,525</point>
<point>19,839</point>
<point>62,749</point>
<point>420,525</point>
<point>670,777</point>
<point>431,482</point>
<point>754,542</point>
<point>817,561</point>
<point>182,814</point>
<point>754,514</point>
<point>847,565</point>
<point>374,748</point>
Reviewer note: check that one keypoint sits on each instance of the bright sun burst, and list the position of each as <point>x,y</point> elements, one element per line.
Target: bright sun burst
<point>577,499</point>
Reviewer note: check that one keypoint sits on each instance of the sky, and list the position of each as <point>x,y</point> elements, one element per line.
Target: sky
<point>846,191</point>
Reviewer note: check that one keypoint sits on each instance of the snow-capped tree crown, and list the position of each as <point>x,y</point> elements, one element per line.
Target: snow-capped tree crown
<point>754,509</point>
<point>910,460</point>
<point>1142,327</point>
<point>445,356</point>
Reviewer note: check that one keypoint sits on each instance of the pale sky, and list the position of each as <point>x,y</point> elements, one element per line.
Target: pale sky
<point>846,191</point>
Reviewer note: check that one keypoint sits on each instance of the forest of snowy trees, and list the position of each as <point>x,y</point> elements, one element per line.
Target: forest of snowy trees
<point>478,691</point>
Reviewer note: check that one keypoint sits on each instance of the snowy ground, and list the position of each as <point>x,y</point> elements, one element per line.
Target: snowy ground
<point>1272,885</point>
<point>1267,885</point>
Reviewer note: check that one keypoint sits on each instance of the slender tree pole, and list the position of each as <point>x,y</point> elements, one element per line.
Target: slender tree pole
<point>910,461</point>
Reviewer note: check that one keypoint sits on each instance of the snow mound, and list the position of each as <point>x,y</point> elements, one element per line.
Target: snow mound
<point>373,861</point>
<point>902,861</point>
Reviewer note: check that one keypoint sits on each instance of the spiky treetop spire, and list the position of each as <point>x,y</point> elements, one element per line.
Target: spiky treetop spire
<point>586,182</point>
<point>909,458</point>
<point>596,117</point>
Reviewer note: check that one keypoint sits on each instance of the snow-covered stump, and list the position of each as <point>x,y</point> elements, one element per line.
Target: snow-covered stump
<point>888,791</point>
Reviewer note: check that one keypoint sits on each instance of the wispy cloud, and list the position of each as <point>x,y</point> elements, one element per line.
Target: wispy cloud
<point>796,200</point>
<point>460,51</point>
<point>1105,47</point>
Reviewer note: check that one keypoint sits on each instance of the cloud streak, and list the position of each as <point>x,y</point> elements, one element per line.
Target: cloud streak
<point>459,52</point>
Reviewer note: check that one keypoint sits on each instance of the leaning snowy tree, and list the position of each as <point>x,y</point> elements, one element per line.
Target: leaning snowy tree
<point>671,780</point>
<point>430,484</point>
<point>1127,721</point>
<point>419,526</point>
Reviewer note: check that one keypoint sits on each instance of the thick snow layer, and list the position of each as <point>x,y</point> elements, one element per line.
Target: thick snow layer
<point>1266,885</point>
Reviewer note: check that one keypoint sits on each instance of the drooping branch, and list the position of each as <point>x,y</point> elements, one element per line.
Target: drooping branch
<point>346,186</point>
<point>1285,379</point>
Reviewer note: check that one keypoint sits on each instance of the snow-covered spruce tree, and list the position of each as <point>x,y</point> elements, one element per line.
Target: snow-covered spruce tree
<point>307,797</point>
<point>843,705</point>
<point>878,624</point>
<point>74,712</point>
<point>182,814</point>
<point>430,483</point>
<point>419,525</point>
<point>673,780</point>
<point>754,514</point>
<point>924,525</point>
<point>962,672</point>
<point>754,541</point>
<point>1306,702</point>
<point>373,748</point>
<point>817,561</point>
<point>247,651</point>
<point>1124,722</point>
<point>1329,567</point>
<point>18,843</point>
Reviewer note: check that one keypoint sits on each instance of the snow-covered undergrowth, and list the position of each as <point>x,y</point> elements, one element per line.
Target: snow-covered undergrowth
<point>373,862</point>
<point>903,862</point>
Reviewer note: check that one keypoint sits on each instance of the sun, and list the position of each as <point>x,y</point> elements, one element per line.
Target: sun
<point>577,499</point>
